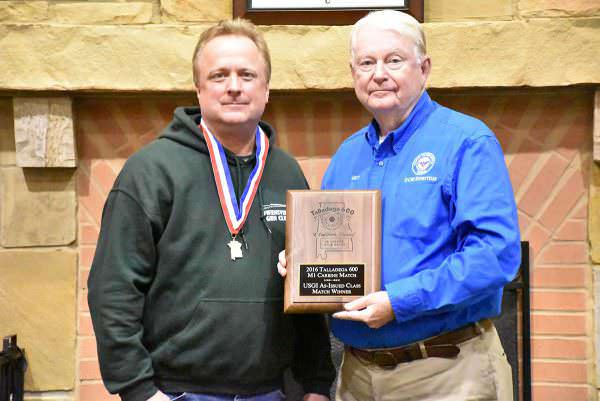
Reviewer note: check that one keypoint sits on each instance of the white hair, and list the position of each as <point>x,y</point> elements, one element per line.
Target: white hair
<point>398,21</point>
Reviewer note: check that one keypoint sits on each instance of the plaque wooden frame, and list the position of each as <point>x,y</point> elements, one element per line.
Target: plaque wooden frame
<point>325,15</point>
<point>331,231</point>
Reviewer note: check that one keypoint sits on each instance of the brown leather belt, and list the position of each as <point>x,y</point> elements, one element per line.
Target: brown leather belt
<point>444,345</point>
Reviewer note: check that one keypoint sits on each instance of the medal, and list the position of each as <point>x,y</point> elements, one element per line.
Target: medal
<point>235,212</point>
<point>236,248</point>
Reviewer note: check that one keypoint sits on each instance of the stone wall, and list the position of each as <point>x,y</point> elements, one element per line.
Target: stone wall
<point>146,45</point>
<point>80,49</point>
<point>38,263</point>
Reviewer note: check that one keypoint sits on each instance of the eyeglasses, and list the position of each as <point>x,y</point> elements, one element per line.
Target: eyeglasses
<point>393,63</point>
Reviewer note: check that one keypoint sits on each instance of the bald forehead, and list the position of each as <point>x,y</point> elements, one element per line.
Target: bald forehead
<point>370,37</point>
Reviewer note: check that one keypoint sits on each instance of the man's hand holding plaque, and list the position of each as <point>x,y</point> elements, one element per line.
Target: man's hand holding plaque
<point>375,309</point>
<point>333,249</point>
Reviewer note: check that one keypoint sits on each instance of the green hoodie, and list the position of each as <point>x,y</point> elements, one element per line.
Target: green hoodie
<point>170,309</point>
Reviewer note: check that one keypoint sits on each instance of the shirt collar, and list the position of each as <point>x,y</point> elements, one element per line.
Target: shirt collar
<point>399,136</point>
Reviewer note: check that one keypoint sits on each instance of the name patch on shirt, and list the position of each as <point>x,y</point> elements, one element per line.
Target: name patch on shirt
<point>274,212</point>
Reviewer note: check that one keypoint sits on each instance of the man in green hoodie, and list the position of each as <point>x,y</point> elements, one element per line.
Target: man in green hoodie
<point>184,299</point>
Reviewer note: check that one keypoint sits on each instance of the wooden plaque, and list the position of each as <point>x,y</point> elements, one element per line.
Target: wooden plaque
<point>328,12</point>
<point>333,247</point>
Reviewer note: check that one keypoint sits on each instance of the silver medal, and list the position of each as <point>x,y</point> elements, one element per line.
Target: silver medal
<point>236,248</point>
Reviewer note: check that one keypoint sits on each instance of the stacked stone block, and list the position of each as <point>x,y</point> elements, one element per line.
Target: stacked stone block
<point>38,262</point>
<point>146,45</point>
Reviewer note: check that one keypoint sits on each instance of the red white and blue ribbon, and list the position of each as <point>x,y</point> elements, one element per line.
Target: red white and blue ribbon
<point>235,213</point>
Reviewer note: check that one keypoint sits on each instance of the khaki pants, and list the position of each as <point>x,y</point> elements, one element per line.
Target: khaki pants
<point>479,372</point>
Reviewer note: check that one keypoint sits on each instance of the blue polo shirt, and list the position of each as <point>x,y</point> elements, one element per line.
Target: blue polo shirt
<point>450,236</point>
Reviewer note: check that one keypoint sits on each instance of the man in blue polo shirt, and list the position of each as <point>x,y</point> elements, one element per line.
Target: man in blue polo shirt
<point>450,238</point>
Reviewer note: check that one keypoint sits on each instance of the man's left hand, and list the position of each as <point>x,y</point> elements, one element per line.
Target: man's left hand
<point>374,310</point>
<point>314,397</point>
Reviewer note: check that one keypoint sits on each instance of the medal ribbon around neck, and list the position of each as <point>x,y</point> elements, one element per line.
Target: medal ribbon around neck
<point>235,214</point>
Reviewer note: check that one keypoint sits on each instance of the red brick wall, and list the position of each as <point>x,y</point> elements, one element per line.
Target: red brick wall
<point>547,140</point>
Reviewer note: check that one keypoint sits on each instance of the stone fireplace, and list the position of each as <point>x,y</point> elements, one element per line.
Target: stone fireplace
<point>546,137</point>
<point>84,84</point>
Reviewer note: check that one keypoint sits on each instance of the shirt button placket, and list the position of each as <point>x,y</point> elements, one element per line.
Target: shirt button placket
<point>376,174</point>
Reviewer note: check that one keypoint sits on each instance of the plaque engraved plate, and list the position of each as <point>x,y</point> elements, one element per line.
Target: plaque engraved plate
<point>333,248</point>
<point>332,280</point>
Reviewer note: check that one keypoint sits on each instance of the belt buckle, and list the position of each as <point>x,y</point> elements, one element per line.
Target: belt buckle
<point>384,359</point>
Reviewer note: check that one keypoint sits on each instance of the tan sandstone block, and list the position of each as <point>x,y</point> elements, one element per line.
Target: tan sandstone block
<point>514,53</point>
<point>38,207</point>
<point>98,56</point>
<point>49,396</point>
<point>594,213</point>
<point>196,10</point>
<point>44,133</point>
<point>23,11</point>
<point>38,303</point>
<point>462,10</point>
<point>7,133</point>
<point>559,8</point>
<point>157,58</point>
<point>95,12</point>
<point>306,57</point>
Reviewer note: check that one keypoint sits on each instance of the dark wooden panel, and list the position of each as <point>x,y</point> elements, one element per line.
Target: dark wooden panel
<point>312,17</point>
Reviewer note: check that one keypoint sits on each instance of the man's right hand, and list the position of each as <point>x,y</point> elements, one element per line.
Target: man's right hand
<point>159,396</point>
<point>282,264</point>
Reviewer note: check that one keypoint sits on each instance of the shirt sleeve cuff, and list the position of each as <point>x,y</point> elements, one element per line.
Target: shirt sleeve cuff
<point>406,302</point>
<point>317,387</point>
<point>140,391</point>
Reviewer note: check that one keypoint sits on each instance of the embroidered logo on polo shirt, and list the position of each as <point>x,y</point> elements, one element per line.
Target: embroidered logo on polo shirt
<point>421,165</point>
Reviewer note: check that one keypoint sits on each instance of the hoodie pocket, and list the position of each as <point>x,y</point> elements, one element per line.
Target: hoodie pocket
<point>230,340</point>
